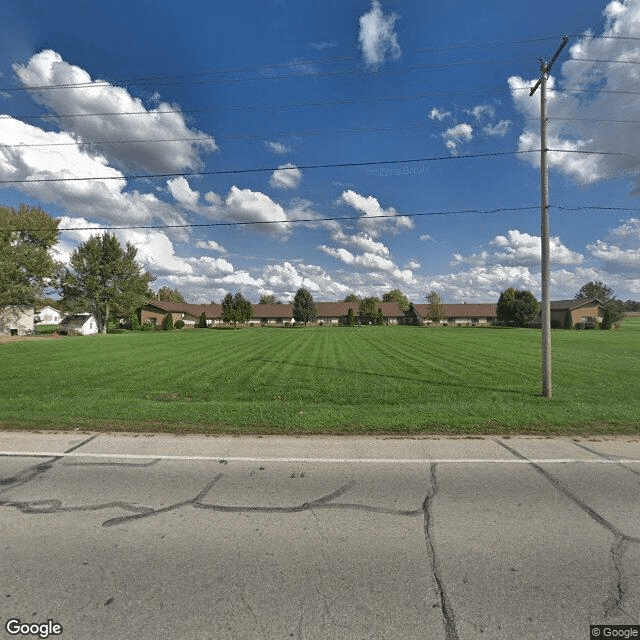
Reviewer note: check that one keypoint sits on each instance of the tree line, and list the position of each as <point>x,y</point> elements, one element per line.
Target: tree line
<point>103,278</point>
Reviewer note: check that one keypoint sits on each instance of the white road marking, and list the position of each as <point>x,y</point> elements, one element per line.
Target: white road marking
<point>217,458</point>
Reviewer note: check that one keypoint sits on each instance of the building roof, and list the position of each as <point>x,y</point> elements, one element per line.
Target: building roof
<point>339,309</point>
<point>473,310</point>
<point>210,310</point>
<point>574,303</point>
<point>272,311</point>
<point>76,319</point>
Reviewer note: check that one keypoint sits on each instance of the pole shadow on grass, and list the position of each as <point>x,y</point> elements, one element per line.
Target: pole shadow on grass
<point>434,383</point>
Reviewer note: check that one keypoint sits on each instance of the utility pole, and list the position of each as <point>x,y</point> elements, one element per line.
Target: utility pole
<point>545,68</point>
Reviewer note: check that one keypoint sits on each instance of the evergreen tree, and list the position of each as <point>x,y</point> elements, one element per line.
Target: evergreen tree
<point>167,323</point>
<point>202,322</point>
<point>351,319</point>
<point>135,323</point>
<point>242,307</point>
<point>227,309</point>
<point>379,317</point>
<point>568,320</point>
<point>304,308</point>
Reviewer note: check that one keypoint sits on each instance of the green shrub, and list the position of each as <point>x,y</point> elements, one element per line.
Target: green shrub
<point>147,326</point>
<point>179,324</point>
<point>134,322</point>
<point>167,323</point>
<point>568,320</point>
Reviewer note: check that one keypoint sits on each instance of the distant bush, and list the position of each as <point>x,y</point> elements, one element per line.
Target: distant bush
<point>179,324</point>
<point>147,326</point>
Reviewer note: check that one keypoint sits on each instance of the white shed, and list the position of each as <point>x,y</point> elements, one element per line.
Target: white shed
<point>48,315</point>
<point>79,324</point>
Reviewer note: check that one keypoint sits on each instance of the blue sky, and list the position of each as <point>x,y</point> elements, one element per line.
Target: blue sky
<point>180,88</point>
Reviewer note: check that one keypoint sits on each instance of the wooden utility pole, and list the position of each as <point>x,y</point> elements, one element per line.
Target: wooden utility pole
<point>545,68</point>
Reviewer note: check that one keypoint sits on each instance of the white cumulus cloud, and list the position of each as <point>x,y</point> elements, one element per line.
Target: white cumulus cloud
<point>586,98</point>
<point>164,122</point>
<point>378,39</point>
<point>372,210</point>
<point>454,136</point>
<point>286,176</point>
<point>182,192</point>
<point>518,248</point>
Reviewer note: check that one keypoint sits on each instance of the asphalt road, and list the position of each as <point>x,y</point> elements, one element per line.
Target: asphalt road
<point>222,537</point>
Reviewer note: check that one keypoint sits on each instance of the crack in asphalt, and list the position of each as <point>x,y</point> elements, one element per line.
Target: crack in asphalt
<point>450,632</point>
<point>606,456</point>
<point>28,474</point>
<point>621,541</point>
<point>53,505</point>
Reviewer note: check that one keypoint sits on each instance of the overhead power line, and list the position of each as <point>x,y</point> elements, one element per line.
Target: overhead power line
<point>324,74</point>
<point>284,65</point>
<point>293,105</point>
<point>347,218</point>
<point>330,165</point>
<point>284,134</point>
<point>290,105</point>
<point>304,220</point>
<point>269,169</point>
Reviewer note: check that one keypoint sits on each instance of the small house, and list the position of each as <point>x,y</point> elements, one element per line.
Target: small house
<point>79,324</point>
<point>16,320</point>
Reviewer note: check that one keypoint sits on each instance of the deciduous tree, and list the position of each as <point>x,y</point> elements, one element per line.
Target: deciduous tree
<point>597,290</point>
<point>516,307</point>
<point>436,312</point>
<point>395,295</point>
<point>368,310</point>
<point>27,267</point>
<point>167,294</point>
<point>614,311</point>
<point>105,280</point>
<point>269,299</point>
<point>352,297</point>
<point>304,308</point>
<point>236,309</point>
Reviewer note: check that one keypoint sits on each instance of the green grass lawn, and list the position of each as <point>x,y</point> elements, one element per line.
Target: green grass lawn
<point>398,380</point>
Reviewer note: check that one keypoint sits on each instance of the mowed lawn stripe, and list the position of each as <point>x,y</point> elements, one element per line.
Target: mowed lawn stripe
<point>325,380</point>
